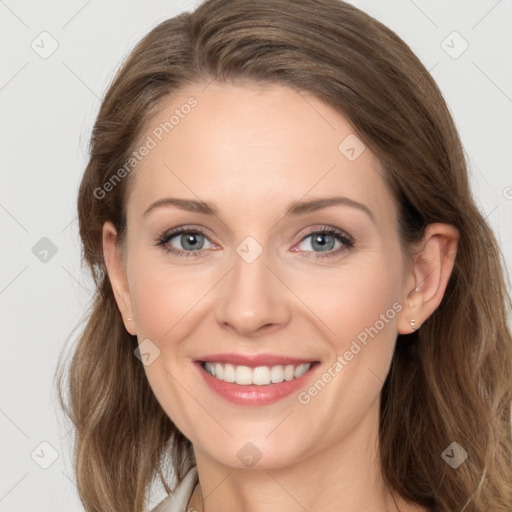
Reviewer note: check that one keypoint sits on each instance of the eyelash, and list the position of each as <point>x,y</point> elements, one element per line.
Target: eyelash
<point>347,241</point>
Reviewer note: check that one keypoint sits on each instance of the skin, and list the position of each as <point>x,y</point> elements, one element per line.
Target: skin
<point>251,150</point>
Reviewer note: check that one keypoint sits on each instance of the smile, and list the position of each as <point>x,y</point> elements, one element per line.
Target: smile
<point>259,376</point>
<point>255,380</point>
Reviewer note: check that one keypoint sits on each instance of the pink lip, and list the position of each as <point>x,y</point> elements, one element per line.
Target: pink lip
<point>254,360</point>
<point>254,395</point>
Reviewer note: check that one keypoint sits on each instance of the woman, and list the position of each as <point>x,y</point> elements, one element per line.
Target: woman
<point>299,306</point>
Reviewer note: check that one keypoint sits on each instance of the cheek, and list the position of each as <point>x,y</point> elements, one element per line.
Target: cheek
<point>166,302</point>
<point>369,311</point>
<point>164,297</point>
<point>359,303</point>
<point>360,310</point>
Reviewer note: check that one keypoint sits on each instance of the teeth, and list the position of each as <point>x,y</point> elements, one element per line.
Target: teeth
<point>229,373</point>
<point>276,374</point>
<point>289,372</point>
<point>210,368</point>
<point>301,370</point>
<point>260,376</point>
<point>243,375</point>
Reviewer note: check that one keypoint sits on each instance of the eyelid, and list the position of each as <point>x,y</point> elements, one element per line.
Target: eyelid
<point>324,228</point>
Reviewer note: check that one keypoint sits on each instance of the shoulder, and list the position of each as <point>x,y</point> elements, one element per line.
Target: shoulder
<point>178,500</point>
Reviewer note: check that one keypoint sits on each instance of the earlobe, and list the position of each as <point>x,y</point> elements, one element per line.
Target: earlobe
<point>410,318</point>
<point>433,265</point>
<point>117,275</point>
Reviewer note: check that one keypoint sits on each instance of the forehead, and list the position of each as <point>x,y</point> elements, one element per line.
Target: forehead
<point>249,145</point>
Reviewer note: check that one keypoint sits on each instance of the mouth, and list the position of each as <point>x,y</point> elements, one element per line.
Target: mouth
<point>259,376</point>
<point>256,380</point>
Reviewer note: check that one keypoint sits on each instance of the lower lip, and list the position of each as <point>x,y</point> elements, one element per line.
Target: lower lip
<point>253,394</point>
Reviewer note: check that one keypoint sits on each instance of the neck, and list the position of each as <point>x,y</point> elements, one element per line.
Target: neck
<point>347,476</point>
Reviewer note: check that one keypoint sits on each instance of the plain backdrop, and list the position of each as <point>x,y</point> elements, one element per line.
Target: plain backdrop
<point>57,59</point>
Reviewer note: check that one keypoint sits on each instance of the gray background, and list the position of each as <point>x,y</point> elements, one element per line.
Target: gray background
<point>48,104</point>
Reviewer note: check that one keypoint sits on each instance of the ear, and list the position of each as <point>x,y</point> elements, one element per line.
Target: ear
<point>116,268</point>
<point>427,280</point>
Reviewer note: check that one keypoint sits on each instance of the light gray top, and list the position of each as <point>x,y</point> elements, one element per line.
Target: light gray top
<point>178,500</point>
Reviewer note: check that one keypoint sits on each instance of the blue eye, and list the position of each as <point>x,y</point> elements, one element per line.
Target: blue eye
<point>192,241</point>
<point>323,240</point>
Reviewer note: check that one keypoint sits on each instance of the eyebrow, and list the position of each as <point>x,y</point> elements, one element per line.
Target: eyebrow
<point>294,209</point>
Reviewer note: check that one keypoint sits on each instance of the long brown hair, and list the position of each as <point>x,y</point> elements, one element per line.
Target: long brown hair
<point>449,382</point>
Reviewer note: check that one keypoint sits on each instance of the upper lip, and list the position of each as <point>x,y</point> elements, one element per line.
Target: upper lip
<point>253,361</point>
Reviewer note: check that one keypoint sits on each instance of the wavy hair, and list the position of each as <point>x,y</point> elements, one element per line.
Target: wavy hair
<point>449,381</point>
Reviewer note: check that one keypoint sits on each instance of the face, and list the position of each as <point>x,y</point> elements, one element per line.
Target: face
<point>295,299</point>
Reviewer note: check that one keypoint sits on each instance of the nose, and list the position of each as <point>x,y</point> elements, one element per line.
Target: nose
<point>253,301</point>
